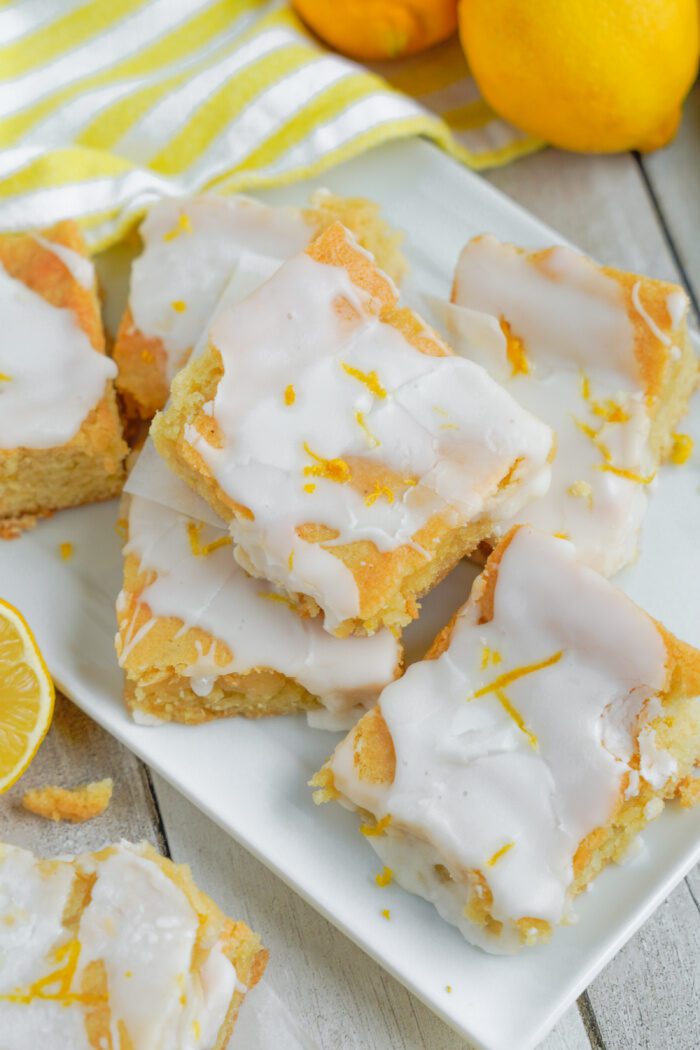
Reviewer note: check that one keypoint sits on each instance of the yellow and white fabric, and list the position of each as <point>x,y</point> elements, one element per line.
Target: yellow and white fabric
<point>106,104</point>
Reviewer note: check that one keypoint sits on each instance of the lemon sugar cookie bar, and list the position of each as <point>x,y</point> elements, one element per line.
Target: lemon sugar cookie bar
<point>191,248</point>
<point>355,457</point>
<point>117,949</point>
<point>547,725</point>
<point>60,435</point>
<point>200,639</point>
<point>603,357</point>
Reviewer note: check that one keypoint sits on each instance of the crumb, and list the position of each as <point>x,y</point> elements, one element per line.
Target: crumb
<point>73,804</point>
<point>66,551</point>
<point>582,490</point>
<point>688,791</point>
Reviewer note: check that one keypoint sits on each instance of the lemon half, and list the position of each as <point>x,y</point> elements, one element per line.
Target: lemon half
<point>26,696</point>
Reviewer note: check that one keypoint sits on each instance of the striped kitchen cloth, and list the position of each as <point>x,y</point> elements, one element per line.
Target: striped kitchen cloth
<point>107,104</point>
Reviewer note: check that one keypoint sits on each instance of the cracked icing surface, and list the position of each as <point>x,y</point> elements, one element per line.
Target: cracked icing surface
<point>133,948</point>
<point>191,247</point>
<point>561,339</point>
<point>522,734</point>
<point>327,414</point>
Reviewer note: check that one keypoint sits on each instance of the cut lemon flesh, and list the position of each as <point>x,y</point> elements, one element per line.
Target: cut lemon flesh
<point>26,696</point>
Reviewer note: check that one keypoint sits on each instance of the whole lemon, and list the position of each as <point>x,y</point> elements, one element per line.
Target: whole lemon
<point>376,29</point>
<point>589,75</point>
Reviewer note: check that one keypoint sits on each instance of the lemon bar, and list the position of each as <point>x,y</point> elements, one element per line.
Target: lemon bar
<point>549,722</point>
<point>200,639</point>
<point>355,457</point>
<point>191,248</point>
<point>60,434</point>
<point>602,356</point>
<point>117,949</point>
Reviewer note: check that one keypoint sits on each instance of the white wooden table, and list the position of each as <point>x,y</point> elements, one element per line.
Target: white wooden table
<point>637,213</point>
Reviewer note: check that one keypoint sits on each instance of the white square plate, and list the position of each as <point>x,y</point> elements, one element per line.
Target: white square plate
<point>250,777</point>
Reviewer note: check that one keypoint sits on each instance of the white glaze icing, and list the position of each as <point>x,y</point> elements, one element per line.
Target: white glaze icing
<point>50,375</point>
<point>579,342</point>
<point>139,923</point>
<point>677,305</point>
<point>540,763</point>
<point>79,266</point>
<point>441,422</point>
<point>213,593</point>
<point>189,260</point>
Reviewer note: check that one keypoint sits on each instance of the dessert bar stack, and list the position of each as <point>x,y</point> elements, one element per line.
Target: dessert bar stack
<point>319,457</point>
<point>350,456</point>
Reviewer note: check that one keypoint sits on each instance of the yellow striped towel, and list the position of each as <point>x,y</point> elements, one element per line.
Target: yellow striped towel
<point>107,104</point>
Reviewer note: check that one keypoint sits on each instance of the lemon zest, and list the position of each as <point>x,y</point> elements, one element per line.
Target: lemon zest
<point>66,551</point>
<point>370,379</point>
<point>506,679</point>
<point>290,561</point>
<point>494,859</point>
<point>179,306</point>
<point>681,450</point>
<point>608,410</point>
<point>384,877</point>
<point>5,378</point>
<point>386,914</point>
<point>512,711</point>
<point>336,470</point>
<point>290,395</point>
<point>448,987</point>
<point>184,225</point>
<point>515,350</point>
<point>489,656</point>
<point>370,830</point>
<point>607,465</point>
<point>372,440</point>
<point>309,488</point>
<point>622,472</point>
<point>562,535</point>
<point>498,688</point>
<point>593,436</point>
<point>377,493</point>
<point>60,980</point>
<point>199,549</point>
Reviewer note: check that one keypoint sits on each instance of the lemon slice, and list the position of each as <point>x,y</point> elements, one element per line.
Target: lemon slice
<point>26,696</point>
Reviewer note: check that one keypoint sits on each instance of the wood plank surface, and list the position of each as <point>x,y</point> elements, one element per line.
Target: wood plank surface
<point>75,752</point>
<point>673,175</point>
